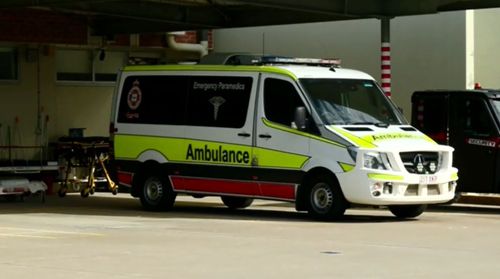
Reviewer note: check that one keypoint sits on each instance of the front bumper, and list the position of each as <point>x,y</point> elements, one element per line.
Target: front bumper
<point>374,187</point>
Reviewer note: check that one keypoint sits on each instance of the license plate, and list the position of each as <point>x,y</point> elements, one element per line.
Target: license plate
<point>428,179</point>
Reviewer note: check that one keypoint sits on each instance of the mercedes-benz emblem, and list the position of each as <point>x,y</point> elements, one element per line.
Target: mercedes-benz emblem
<point>418,163</point>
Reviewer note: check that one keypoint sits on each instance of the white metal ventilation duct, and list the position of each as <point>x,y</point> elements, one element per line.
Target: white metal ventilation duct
<point>201,48</point>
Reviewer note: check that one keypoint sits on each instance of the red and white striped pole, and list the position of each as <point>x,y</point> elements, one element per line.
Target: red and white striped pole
<point>385,56</point>
<point>386,68</point>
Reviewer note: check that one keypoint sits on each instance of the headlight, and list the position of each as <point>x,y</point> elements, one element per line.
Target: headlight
<point>376,160</point>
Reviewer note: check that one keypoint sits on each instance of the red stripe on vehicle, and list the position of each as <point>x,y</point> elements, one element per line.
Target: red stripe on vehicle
<point>215,186</point>
<point>234,187</point>
<point>282,191</point>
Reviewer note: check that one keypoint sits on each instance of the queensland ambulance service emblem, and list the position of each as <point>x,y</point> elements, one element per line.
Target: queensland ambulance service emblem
<point>134,96</point>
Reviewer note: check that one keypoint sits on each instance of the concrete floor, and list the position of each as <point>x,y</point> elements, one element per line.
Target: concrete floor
<point>108,236</point>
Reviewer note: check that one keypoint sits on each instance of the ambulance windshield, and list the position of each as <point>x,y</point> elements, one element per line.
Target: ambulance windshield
<point>351,102</point>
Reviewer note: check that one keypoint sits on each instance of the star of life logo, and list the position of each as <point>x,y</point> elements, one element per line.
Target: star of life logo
<point>134,97</point>
<point>216,101</point>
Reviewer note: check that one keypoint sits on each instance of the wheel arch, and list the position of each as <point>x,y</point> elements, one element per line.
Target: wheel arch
<point>152,155</point>
<point>144,168</point>
<point>301,202</point>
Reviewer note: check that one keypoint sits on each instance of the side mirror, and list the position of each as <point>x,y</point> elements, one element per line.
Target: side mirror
<point>300,118</point>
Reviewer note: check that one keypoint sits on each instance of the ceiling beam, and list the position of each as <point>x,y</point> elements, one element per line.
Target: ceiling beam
<point>109,17</point>
<point>151,15</point>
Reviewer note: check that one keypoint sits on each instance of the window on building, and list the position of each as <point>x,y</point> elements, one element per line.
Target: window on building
<point>89,65</point>
<point>74,65</point>
<point>8,60</point>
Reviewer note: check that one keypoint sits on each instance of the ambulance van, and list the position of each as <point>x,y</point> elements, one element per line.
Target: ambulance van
<point>299,130</point>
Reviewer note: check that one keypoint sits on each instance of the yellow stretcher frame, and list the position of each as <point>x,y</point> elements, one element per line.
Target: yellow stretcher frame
<point>89,155</point>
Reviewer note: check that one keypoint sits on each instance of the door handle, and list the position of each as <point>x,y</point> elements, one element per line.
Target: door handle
<point>265,136</point>
<point>246,135</point>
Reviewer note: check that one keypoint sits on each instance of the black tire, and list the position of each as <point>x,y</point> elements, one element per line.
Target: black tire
<point>326,201</point>
<point>84,193</point>
<point>407,211</point>
<point>156,193</point>
<point>236,202</point>
<point>11,198</point>
<point>62,192</point>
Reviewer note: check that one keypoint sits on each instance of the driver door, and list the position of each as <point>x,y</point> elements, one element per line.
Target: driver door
<point>280,149</point>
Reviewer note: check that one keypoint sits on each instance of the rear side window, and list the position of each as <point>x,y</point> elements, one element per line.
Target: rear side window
<point>210,101</point>
<point>218,101</point>
<point>430,115</point>
<point>153,100</point>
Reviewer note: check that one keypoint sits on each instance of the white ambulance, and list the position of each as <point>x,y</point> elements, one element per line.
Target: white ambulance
<point>299,130</point>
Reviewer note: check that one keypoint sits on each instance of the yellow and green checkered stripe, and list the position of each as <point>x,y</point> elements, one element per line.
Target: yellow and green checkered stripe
<point>385,177</point>
<point>369,142</point>
<point>130,147</point>
<point>284,128</point>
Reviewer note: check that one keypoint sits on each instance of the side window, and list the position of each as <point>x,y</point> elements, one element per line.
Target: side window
<point>478,121</point>
<point>280,101</point>
<point>8,60</point>
<point>218,101</point>
<point>430,115</point>
<point>153,100</point>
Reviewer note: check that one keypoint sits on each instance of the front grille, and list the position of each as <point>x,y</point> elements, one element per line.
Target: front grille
<point>433,190</point>
<point>421,162</point>
<point>412,190</point>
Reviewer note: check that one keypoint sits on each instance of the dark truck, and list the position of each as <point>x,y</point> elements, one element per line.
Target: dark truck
<point>469,121</point>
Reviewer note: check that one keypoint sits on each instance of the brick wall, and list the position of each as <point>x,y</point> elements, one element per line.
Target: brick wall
<point>189,38</point>
<point>158,39</point>
<point>38,26</point>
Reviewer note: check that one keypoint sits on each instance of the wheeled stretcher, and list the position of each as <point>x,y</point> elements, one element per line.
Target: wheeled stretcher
<point>84,162</point>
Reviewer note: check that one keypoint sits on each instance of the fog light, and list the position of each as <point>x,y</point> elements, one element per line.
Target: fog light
<point>387,188</point>
<point>432,167</point>
<point>376,189</point>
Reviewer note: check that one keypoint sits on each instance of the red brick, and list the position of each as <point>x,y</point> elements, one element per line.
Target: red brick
<point>152,40</point>
<point>28,25</point>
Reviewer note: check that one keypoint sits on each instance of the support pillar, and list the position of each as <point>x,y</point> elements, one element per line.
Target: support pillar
<point>385,50</point>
